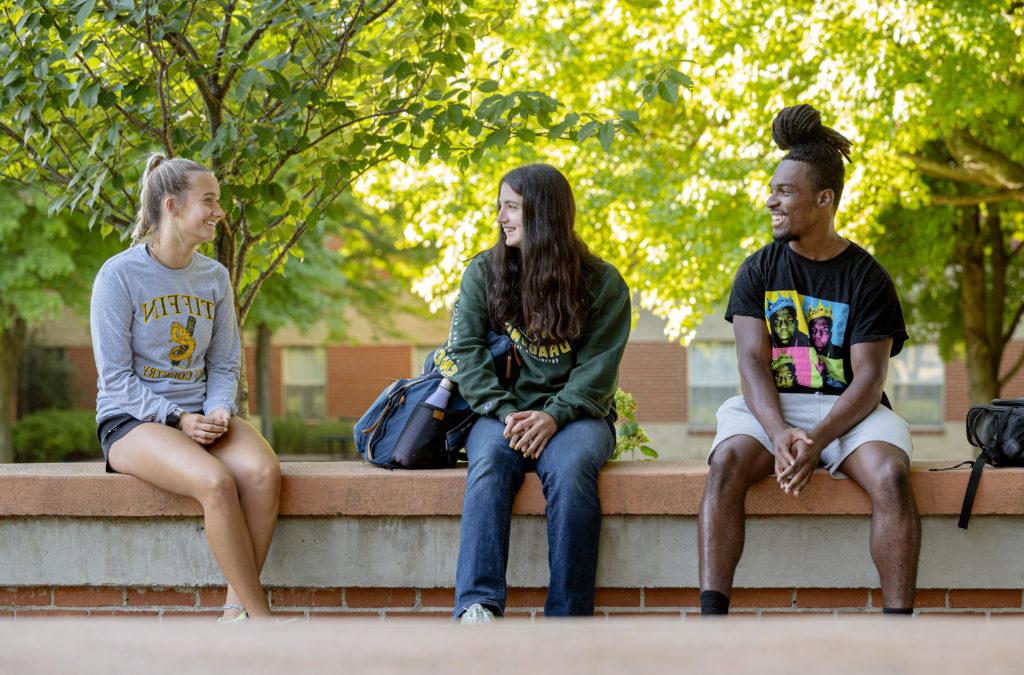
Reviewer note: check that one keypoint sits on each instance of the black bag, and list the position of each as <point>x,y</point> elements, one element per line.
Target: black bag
<point>402,431</point>
<point>998,429</point>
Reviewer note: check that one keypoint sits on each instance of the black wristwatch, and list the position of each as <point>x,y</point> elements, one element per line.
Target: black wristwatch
<point>173,418</point>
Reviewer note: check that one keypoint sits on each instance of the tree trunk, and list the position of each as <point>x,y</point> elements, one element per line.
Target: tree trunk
<point>12,345</point>
<point>242,395</point>
<point>264,383</point>
<point>984,350</point>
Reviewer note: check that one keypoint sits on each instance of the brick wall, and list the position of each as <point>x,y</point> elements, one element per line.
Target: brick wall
<point>357,375</point>
<point>523,603</point>
<point>83,377</point>
<point>277,393</point>
<point>958,398</point>
<point>655,373</point>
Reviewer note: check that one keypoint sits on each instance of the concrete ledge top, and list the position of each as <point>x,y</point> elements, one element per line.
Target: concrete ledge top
<point>359,489</point>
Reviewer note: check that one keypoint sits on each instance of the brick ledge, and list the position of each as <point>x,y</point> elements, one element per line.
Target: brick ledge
<point>358,489</point>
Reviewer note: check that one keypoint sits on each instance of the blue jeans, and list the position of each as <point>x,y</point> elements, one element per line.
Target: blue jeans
<point>568,472</point>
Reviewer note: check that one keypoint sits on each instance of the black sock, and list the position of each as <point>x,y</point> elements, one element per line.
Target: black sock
<point>713,603</point>
<point>897,610</point>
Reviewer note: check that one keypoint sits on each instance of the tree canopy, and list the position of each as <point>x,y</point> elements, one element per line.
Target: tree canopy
<point>929,92</point>
<point>288,103</point>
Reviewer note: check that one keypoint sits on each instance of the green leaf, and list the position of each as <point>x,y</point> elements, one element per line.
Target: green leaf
<point>487,86</point>
<point>71,46</point>
<point>84,10</point>
<point>668,91</point>
<point>90,94</point>
<point>631,115</point>
<point>281,82</point>
<point>649,451</point>
<point>586,131</point>
<point>496,138</point>
<point>607,135</point>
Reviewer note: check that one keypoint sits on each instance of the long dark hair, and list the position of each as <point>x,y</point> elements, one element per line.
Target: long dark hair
<point>799,130</point>
<point>540,287</point>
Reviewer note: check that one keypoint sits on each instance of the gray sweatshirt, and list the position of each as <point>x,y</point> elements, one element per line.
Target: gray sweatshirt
<point>164,339</point>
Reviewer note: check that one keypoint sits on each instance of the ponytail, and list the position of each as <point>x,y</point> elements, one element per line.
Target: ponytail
<point>164,177</point>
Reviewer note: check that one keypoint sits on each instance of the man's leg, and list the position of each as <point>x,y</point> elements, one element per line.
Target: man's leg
<point>737,463</point>
<point>883,470</point>
<point>568,470</point>
<point>495,476</point>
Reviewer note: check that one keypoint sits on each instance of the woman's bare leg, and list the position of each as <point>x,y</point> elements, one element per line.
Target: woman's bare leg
<point>258,476</point>
<point>170,460</point>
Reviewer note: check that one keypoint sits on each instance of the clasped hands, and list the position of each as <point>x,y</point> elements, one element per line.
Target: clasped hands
<point>796,458</point>
<point>206,429</point>
<point>529,431</point>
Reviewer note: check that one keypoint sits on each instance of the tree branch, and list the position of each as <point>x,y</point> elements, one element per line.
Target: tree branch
<point>1005,379</point>
<point>1011,327</point>
<point>974,200</point>
<point>951,171</point>
<point>225,32</point>
<point>37,158</point>
<point>254,287</point>
<point>974,155</point>
<point>243,53</point>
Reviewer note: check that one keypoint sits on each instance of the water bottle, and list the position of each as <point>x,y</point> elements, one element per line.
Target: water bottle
<point>421,443</point>
<point>439,399</point>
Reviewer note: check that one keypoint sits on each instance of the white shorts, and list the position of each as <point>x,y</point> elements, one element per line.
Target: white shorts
<point>805,411</point>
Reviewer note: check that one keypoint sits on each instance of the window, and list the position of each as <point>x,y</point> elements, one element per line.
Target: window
<point>915,385</point>
<point>713,377</point>
<point>419,358</point>
<point>305,379</point>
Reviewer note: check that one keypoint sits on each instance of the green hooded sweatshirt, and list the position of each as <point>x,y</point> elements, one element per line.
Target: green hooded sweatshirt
<point>568,381</point>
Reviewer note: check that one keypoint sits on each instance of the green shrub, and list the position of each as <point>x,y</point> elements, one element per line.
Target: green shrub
<point>56,436</point>
<point>631,437</point>
<point>297,436</point>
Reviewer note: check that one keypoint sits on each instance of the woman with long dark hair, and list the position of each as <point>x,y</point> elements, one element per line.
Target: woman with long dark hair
<point>568,313</point>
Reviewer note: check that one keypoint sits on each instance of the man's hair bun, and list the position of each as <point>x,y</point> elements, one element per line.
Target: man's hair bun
<point>801,125</point>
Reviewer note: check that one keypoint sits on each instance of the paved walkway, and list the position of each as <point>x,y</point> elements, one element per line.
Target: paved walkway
<point>629,647</point>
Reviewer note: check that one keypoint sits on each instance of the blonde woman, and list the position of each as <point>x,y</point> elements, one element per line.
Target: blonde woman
<point>167,352</point>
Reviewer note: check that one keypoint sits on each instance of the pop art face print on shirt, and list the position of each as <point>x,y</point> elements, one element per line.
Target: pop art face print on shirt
<point>815,311</point>
<point>807,340</point>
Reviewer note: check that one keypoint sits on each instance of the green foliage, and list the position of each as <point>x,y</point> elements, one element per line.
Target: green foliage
<point>677,207</point>
<point>49,260</point>
<point>56,436</point>
<point>289,103</point>
<point>630,436</point>
<point>358,258</point>
<point>296,436</point>
<point>44,381</point>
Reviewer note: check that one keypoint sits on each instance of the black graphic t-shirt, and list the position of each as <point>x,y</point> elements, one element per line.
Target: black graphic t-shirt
<point>815,310</point>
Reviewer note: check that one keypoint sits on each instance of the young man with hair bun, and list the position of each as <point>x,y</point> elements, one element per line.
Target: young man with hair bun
<point>816,320</point>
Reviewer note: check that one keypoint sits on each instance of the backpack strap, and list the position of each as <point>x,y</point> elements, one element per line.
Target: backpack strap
<point>972,490</point>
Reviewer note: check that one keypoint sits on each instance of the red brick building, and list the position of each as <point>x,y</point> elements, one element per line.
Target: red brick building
<point>677,388</point>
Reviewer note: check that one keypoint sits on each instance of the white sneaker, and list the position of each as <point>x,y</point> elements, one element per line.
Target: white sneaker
<point>477,614</point>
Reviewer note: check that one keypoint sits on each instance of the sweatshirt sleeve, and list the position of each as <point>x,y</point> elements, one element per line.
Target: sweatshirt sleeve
<point>590,390</point>
<point>465,359</point>
<point>110,318</point>
<point>223,357</point>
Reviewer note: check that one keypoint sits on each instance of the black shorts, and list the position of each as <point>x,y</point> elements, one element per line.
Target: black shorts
<point>111,429</point>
